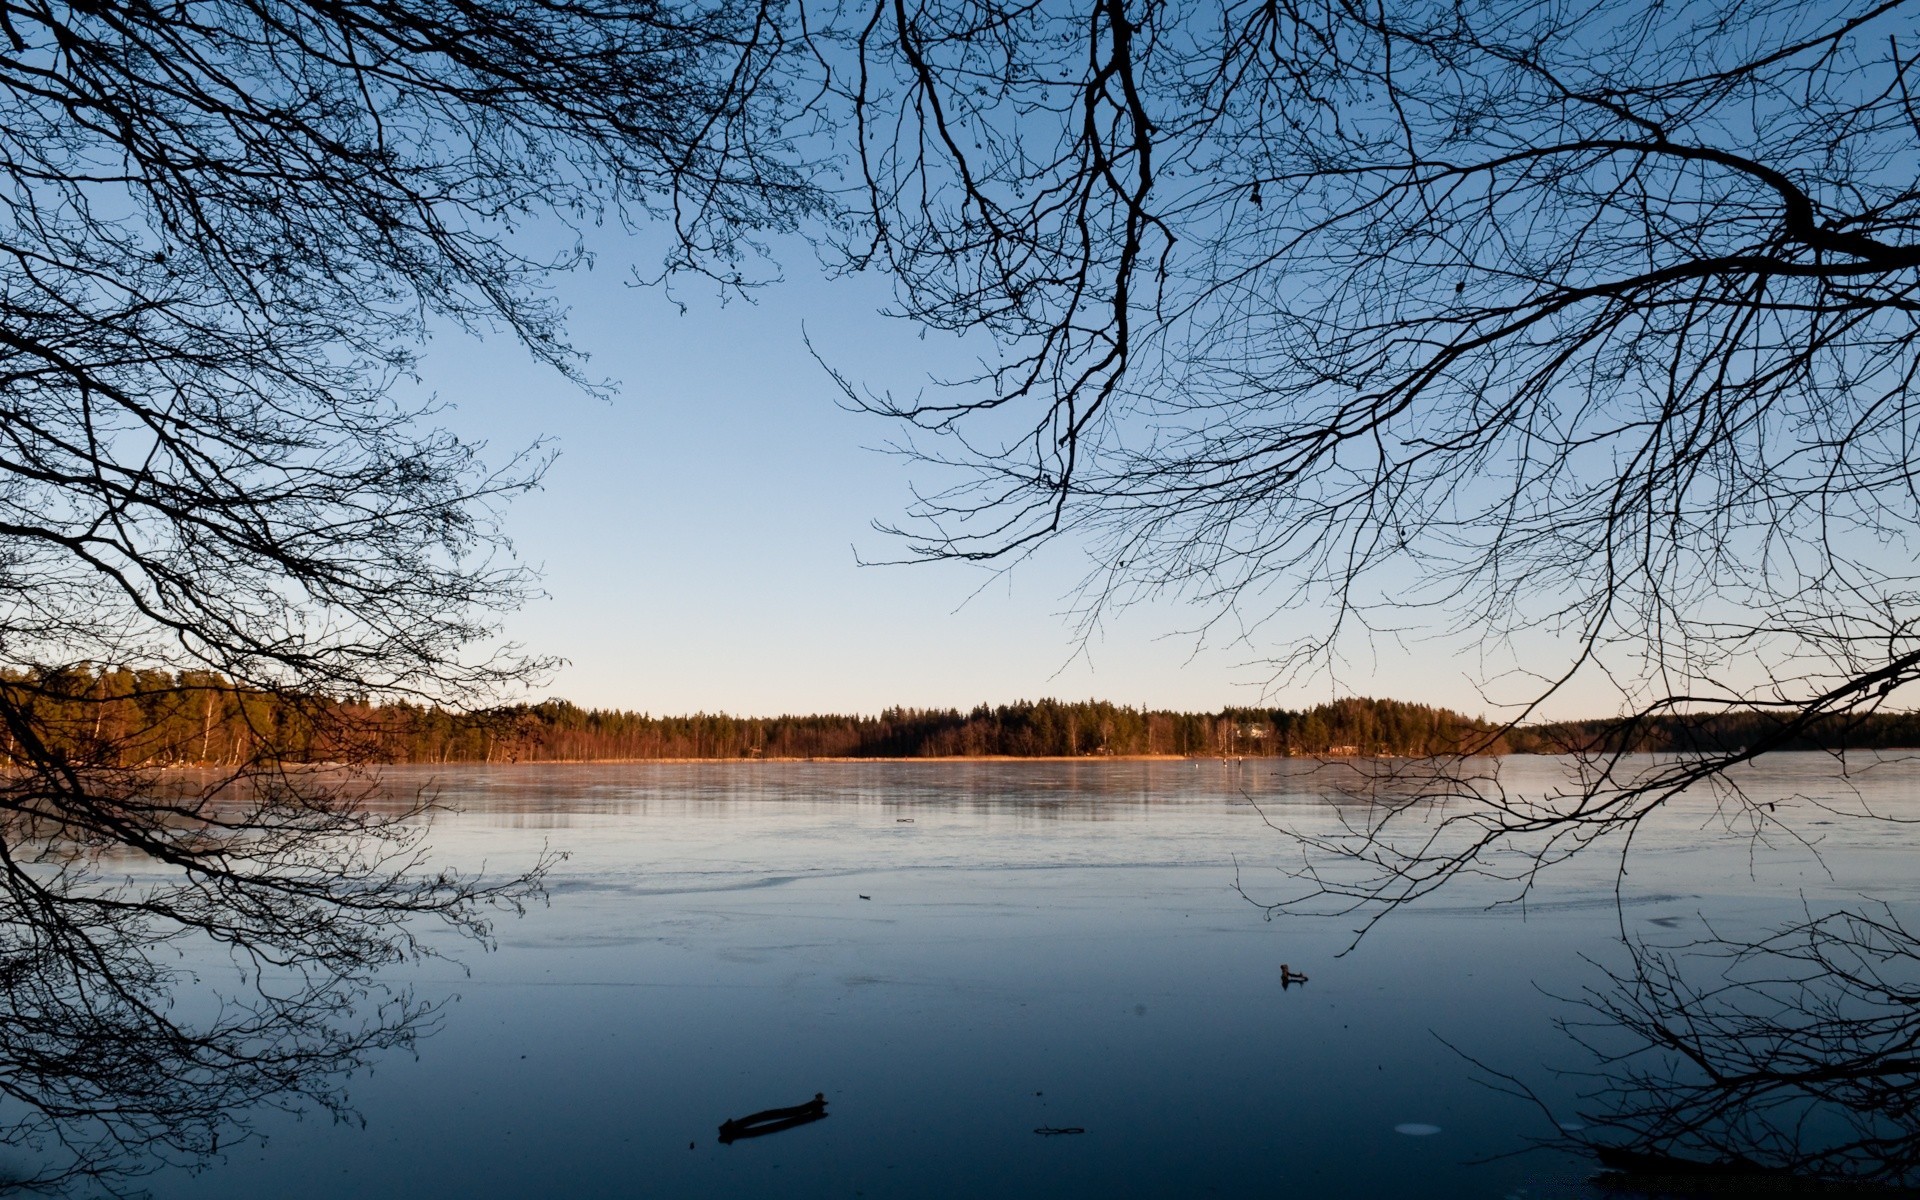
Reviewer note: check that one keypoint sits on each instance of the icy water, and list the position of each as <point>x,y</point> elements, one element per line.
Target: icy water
<point>956,955</point>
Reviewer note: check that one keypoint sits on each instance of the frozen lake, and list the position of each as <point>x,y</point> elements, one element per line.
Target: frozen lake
<point>1046,945</point>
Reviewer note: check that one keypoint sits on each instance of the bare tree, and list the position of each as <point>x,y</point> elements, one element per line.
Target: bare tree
<point>1584,334</point>
<point>1594,320</point>
<point>226,227</point>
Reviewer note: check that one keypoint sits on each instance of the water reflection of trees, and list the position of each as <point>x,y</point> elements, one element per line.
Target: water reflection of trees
<point>1794,1053</point>
<point>211,958</point>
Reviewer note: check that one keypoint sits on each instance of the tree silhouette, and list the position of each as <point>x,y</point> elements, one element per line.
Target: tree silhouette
<point>1584,333</point>
<point>226,227</point>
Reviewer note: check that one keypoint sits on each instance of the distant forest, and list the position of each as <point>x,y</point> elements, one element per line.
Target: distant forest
<point>128,718</point>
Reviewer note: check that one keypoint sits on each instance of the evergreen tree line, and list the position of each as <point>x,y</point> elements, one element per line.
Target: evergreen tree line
<point>123,717</point>
<point>1720,733</point>
<point>557,730</point>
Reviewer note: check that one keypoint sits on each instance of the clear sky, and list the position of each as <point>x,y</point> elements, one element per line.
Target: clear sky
<point>700,535</point>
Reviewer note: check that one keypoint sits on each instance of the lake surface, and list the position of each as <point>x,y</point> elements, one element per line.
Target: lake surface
<point>1046,945</point>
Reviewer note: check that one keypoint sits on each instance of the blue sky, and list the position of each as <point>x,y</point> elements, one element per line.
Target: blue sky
<point>700,534</point>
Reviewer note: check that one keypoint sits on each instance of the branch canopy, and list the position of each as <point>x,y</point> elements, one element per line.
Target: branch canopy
<point>1475,314</point>
<point>226,229</point>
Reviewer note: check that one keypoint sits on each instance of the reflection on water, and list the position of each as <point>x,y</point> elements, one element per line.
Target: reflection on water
<point>958,955</point>
<point>1788,1054</point>
<point>176,962</point>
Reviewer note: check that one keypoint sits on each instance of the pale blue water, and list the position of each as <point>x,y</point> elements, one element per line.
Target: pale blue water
<point>1046,944</point>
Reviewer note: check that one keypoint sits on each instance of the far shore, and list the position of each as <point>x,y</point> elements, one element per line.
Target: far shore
<point>949,759</point>
<point>1041,758</point>
<point>913,758</point>
<point>772,758</point>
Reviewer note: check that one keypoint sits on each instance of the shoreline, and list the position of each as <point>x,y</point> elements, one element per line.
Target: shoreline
<point>943,759</point>
<point>951,759</point>
<point>1063,758</point>
<point>914,758</point>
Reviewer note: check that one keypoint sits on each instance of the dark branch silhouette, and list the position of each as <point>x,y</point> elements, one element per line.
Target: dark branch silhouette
<point>226,228</point>
<point>1586,334</point>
